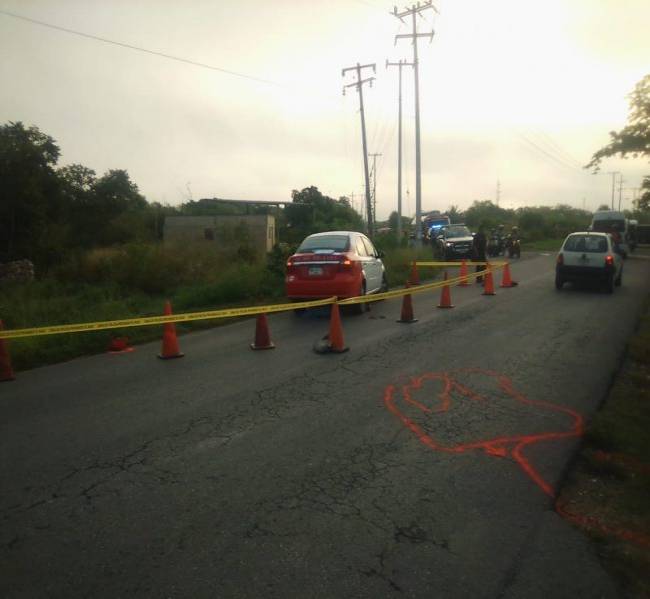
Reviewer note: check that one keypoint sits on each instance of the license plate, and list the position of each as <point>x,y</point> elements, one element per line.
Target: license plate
<point>315,271</point>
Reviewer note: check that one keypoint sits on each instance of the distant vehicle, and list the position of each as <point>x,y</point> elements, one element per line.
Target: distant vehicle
<point>496,243</point>
<point>335,263</point>
<point>513,246</point>
<point>633,233</point>
<point>615,223</point>
<point>433,222</point>
<point>454,241</point>
<point>589,256</point>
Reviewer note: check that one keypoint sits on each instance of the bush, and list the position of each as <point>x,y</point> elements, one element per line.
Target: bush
<point>153,268</point>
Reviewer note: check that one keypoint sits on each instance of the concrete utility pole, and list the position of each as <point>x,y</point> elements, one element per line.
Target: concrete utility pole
<point>620,191</point>
<point>613,174</point>
<point>358,84</point>
<point>400,64</point>
<point>414,11</point>
<point>374,186</point>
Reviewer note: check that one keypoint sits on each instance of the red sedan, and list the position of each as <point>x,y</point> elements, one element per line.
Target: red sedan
<point>340,263</point>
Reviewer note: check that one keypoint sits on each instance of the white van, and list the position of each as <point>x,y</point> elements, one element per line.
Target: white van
<point>614,223</point>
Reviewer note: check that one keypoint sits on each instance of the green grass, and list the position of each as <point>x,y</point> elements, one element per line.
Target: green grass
<point>543,245</point>
<point>620,501</point>
<point>398,264</point>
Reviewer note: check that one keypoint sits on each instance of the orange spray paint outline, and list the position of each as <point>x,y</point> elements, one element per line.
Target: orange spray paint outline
<point>499,446</point>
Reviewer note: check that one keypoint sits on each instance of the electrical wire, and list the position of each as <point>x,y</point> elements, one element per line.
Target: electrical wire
<point>541,151</point>
<point>558,149</point>
<point>141,49</point>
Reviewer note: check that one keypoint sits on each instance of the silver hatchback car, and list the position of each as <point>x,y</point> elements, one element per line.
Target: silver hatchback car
<point>589,256</point>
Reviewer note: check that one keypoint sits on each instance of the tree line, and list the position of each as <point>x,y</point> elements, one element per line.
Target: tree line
<point>48,212</point>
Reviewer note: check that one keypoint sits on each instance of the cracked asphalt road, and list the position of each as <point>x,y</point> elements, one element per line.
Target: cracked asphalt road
<point>282,473</point>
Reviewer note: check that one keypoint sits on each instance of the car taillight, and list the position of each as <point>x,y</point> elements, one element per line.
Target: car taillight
<point>289,263</point>
<point>560,259</point>
<point>345,263</point>
<point>609,261</point>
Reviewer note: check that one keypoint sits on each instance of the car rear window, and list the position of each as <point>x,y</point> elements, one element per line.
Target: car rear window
<point>608,225</point>
<point>586,243</point>
<point>337,243</point>
<point>453,232</point>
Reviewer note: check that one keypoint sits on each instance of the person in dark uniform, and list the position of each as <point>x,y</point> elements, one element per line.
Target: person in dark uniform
<point>479,246</point>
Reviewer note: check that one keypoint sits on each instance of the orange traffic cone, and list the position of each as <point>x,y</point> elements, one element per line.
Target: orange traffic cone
<point>262,335</point>
<point>414,279</point>
<point>445,296</point>
<point>170,342</point>
<point>463,273</point>
<point>119,345</point>
<point>6,371</point>
<point>506,281</point>
<point>407,309</point>
<point>336,343</point>
<point>488,287</point>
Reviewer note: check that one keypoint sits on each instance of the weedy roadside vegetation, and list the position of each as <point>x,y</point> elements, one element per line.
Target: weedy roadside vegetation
<point>610,483</point>
<point>134,280</point>
<point>543,245</point>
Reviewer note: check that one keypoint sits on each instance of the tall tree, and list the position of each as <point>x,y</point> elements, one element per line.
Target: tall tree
<point>643,203</point>
<point>454,214</point>
<point>30,198</point>
<point>634,139</point>
<point>118,213</point>
<point>312,212</point>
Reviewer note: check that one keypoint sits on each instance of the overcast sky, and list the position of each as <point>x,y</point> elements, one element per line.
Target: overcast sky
<point>514,90</point>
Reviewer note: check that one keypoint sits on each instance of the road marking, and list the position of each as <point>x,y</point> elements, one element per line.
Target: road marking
<point>499,446</point>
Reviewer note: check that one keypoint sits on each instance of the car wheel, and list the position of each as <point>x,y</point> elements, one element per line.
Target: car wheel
<point>609,286</point>
<point>559,281</point>
<point>384,284</point>
<point>619,280</point>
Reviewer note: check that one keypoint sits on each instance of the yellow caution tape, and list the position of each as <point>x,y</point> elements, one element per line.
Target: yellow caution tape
<point>249,311</point>
<point>150,320</point>
<point>376,297</point>
<point>496,264</point>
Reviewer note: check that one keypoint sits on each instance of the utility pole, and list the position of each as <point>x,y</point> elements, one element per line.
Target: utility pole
<point>414,11</point>
<point>635,191</point>
<point>374,186</point>
<point>620,191</point>
<point>613,174</point>
<point>358,84</point>
<point>400,64</point>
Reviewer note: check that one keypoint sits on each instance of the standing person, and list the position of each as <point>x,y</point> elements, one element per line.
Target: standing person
<point>479,245</point>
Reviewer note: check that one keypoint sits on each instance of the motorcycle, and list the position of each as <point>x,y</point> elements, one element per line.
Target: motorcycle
<point>495,246</point>
<point>513,247</point>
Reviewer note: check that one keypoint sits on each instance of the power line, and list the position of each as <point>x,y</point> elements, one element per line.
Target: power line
<point>561,151</point>
<point>140,49</point>
<point>557,161</point>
